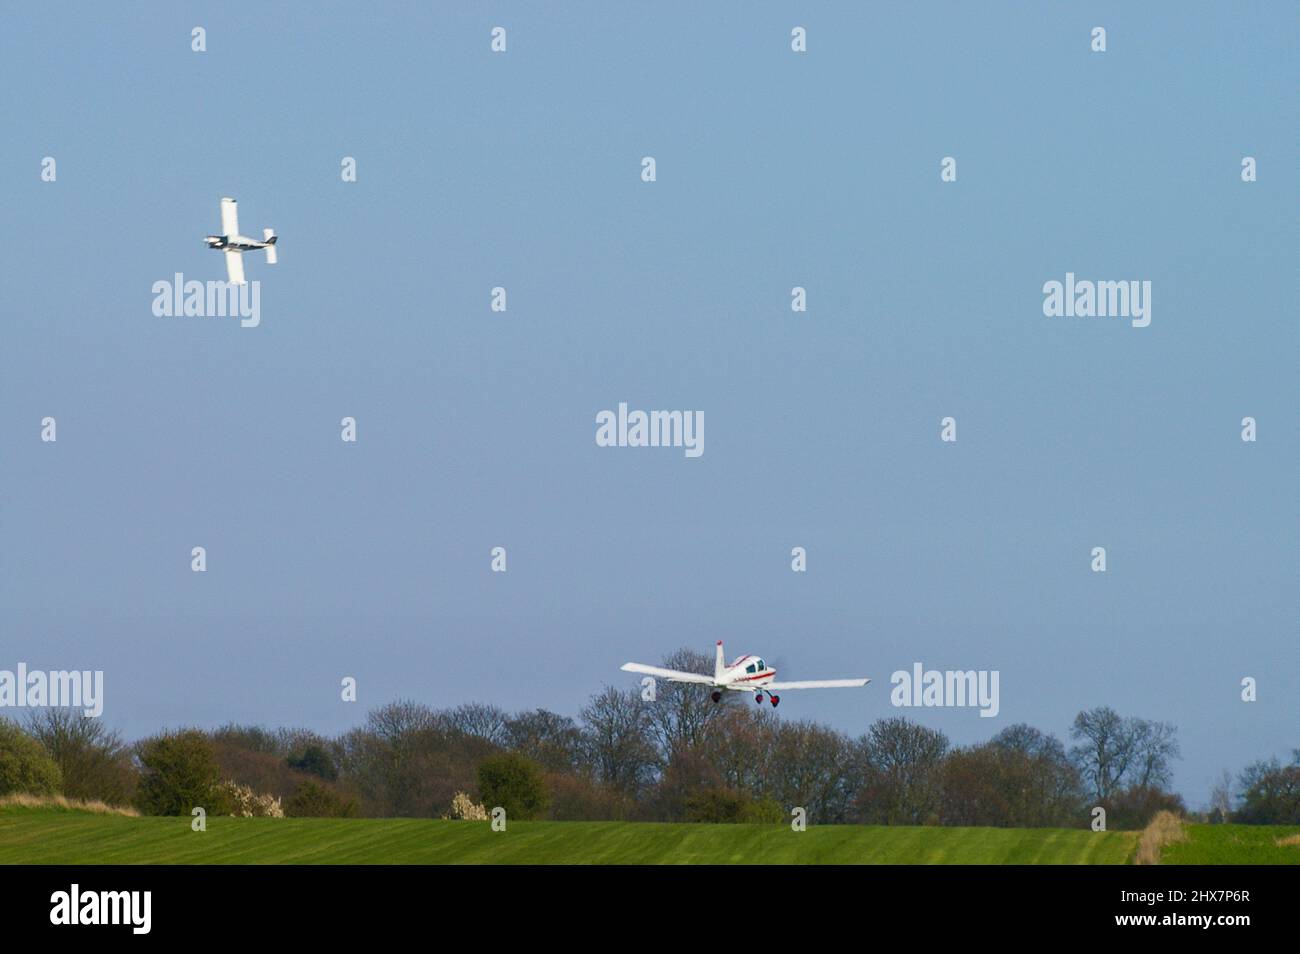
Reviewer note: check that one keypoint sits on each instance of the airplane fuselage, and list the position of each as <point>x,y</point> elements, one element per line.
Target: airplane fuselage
<point>746,674</point>
<point>235,243</point>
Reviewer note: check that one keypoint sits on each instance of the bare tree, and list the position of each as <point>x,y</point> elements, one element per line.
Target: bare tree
<point>1105,750</point>
<point>95,762</point>
<point>1021,777</point>
<point>1114,753</point>
<point>1221,798</point>
<point>479,719</point>
<point>901,770</point>
<point>552,740</point>
<point>1024,738</point>
<point>811,769</point>
<point>408,761</point>
<point>1155,745</point>
<point>740,751</point>
<point>398,720</point>
<point>618,740</point>
<point>682,713</point>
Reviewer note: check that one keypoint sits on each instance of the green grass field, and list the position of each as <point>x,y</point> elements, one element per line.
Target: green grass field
<point>53,836</point>
<point>49,835</point>
<point>1234,845</point>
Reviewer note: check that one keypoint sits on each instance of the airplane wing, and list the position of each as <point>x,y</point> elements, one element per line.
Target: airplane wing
<point>818,684</point>
<point>229,217</point>
<point>672,675</point>
<point>235,267</point>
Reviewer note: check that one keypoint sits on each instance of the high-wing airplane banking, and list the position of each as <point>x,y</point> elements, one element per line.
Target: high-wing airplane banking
<point>745,674</point>
<point>235,245</point>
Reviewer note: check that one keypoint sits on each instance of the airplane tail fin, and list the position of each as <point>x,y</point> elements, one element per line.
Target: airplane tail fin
<point>719,663</point>
<point>269,237</point>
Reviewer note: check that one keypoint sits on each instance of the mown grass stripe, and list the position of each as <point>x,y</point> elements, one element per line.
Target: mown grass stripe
<point>31,836</point>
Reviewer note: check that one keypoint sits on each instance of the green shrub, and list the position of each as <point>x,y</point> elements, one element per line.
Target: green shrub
<point>715,806</point>
<point>313,800</point>
<point>179,772</point>
<point>763,811</point>
<point>1271,793</point>
<point>314,760</point>
<point>25,766</point>
<point>515,783</point>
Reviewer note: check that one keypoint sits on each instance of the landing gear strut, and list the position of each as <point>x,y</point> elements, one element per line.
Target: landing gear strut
<point>717,696</point>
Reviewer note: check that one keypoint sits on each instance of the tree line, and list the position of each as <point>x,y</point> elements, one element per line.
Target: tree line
<point>681,757</point>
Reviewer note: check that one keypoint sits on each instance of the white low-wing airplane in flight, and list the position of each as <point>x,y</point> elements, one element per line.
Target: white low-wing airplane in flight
<point>235,245</point>
<point>746,674</point>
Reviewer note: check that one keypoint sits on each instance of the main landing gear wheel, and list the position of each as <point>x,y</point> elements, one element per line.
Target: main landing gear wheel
<point>758,697</point>
<point>717,697</point>
<point>775,700</point>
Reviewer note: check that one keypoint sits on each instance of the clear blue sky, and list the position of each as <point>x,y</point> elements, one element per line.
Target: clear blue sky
<point>477,429</point>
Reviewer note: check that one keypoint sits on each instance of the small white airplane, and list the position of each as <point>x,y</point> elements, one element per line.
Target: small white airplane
<point>745,674</point>
<point>235,245</point>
